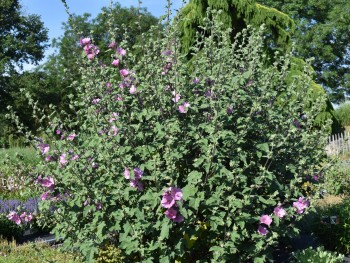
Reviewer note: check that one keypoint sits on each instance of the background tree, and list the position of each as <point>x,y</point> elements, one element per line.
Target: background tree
<point>322,32</point>
<point>23,39</point>
<point>238,14</point>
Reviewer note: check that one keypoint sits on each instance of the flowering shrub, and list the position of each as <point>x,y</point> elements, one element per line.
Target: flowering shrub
<point>176,160</point>
<point>15,216</point>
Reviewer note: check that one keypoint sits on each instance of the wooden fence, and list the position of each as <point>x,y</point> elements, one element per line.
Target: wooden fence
<point>338,144</point>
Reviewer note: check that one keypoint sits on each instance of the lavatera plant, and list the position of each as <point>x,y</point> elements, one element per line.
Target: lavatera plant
<point>177,161</point>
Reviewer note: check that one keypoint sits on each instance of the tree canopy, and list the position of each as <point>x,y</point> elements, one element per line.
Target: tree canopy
<point>322,32</point>
<point>22,37</point>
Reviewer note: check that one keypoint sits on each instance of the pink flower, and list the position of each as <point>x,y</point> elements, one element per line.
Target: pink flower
<point>170,213</point>
<point>121,51</point>
<point>179,218</point>
<point>85,41</point>
<point>115,130</point>
<point>126,173</point>
<point>301,204</point>
<point>44,148</point>
<point>186,104</point>
<point>14,217</point>
<point>91,56</point>
<point>176,193</point>
<point>279,211</point>
<point>45,196</point>
<point>115,62</point>
<point>23,217</point>
<point>71,136</point>
<point>118,98</point>
<point>124,72</point>
<point>167,200</point>
<point>195,81</point>
<point>95,101</point>
<point>183,107</point>
<point>170,197</point>
<point>177,96</point>
<point>132,89</point>
<point>98,206</point>
<point>63,160</point>
<point>266,219</point>
<point>114,117</point>
<point>86,202</point>
<point>29,218</point>
<point>112,45</point>
<point>48,158</point>
<point>138,173</point>
<point>58,131</point>
<point>262,230</point>
<point>75,157</point>
<point>48,182</point>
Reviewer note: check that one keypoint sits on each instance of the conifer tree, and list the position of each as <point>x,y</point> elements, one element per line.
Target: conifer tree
<point>237,15</point>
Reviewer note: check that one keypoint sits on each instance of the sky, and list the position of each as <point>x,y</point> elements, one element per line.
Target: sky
<point>53,14</point>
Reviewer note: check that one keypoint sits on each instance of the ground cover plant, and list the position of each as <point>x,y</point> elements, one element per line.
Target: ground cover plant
<point>175,161</point>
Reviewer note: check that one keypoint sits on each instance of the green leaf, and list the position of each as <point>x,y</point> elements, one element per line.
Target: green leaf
<point>164,233</point>
<point>263,147</point>
<point>266,202</point>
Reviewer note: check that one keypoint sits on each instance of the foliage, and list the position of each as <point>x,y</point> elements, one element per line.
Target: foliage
<point>343,114</point>
<point>16,167</point>
<point>10,252</point>
<point>318,255</point>
<point>337,178</point>
<point>322,32</point>
<point>168,163</point>
<point>334,236</point>
<point>22,38</point>
<point>236,15</point>
<point>9,229</point>
<point>109,254</point>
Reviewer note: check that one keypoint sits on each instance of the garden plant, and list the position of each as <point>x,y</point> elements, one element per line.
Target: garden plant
<point>170,161</point>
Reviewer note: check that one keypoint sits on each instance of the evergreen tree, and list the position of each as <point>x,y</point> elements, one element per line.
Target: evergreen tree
<point>238,14</point>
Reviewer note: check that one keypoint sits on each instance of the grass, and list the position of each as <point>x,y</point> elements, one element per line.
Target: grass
<point>34,253</point>
<point>26,155</point>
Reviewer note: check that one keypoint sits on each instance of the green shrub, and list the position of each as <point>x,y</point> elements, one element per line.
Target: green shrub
<point>343,114</point>
<point>336,178</point>
<point>170,161</point>
<point>109,254</point>
<point>334,237</point>
<point>318,255</point>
